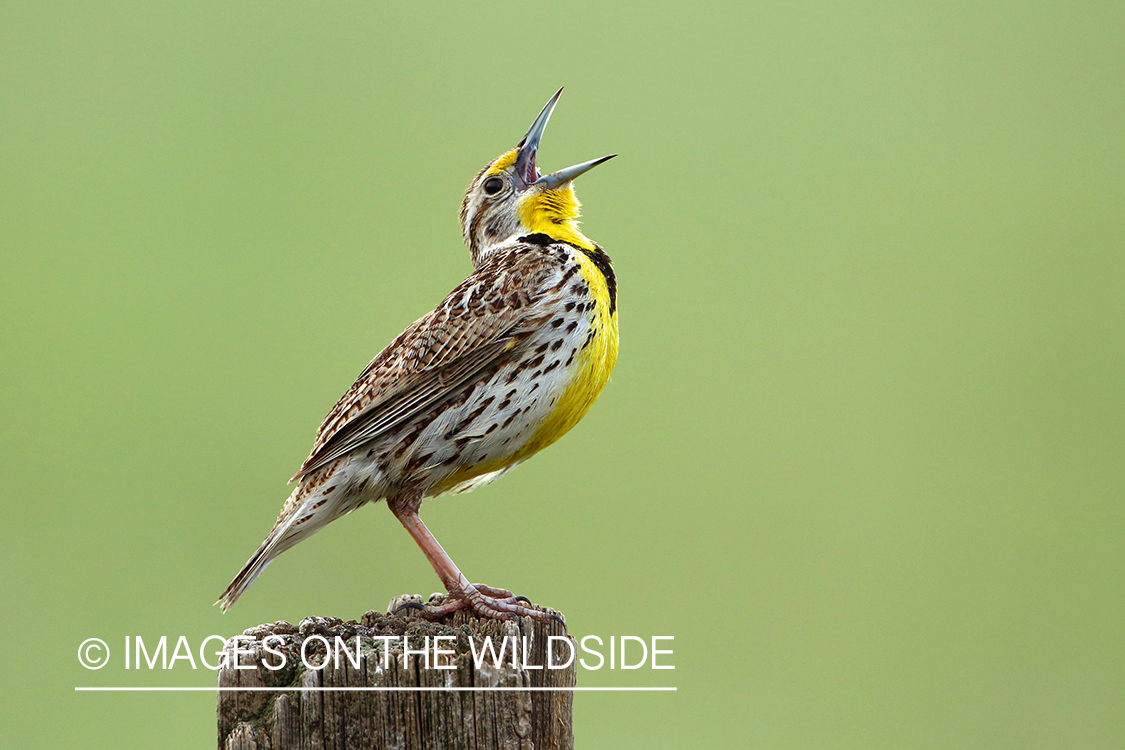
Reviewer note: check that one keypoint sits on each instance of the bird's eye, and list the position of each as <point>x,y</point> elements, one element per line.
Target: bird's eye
<point>492,185</point>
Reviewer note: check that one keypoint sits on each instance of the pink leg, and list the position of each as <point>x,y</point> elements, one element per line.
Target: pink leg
<point>484,600</point>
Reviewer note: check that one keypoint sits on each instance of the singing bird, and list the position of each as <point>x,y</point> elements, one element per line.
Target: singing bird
<point>509,362</point>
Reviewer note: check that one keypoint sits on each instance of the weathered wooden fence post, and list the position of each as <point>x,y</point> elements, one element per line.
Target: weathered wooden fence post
<point>410,662</point>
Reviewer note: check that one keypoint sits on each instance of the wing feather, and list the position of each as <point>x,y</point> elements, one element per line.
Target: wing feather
<point>474,329</point>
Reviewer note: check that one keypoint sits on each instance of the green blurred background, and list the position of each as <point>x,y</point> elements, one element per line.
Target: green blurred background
<point>862,454</point>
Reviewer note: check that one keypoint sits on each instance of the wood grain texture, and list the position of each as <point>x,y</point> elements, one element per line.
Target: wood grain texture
<point>340,720</point>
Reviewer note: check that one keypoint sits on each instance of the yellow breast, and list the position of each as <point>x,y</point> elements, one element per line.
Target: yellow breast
<point>584,381</point>
<point>593,365</point>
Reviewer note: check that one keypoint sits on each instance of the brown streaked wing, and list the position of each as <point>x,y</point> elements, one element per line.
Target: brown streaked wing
<point>475,327</point>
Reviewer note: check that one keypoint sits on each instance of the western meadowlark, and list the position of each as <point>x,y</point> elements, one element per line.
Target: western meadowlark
<point>503,367</point>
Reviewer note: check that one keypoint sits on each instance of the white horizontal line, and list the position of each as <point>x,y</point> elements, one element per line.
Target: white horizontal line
<point>363,689</point>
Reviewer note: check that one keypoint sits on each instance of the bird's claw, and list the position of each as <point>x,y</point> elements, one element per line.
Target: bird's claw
<point>487,601</point>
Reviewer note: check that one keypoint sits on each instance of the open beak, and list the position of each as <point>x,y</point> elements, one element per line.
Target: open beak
<point>526,169</point>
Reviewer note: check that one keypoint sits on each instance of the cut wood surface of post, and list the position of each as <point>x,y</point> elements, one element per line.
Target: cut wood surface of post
<point>397,653</point>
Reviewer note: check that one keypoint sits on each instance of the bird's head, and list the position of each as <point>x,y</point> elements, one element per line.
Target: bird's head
<point>510,196</point>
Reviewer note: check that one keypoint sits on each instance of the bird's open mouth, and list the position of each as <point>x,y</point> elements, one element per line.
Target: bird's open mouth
<point>530,172</point>
<point>526,169</point>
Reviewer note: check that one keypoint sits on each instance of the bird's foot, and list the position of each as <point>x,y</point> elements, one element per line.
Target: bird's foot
<point>486,601</point>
